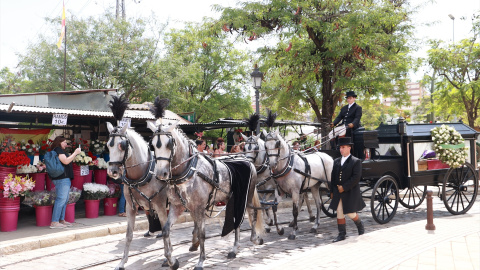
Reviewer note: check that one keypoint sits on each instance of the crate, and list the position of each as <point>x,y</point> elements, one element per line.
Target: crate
<point>422,165</point>
<point>435,164</point>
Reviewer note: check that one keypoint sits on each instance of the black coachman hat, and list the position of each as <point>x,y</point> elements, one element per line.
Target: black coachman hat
<point>350,94</point>
<point>344,141</point>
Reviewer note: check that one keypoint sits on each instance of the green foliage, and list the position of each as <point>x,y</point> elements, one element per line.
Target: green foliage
<point>10,83</point>
<point>457,91</point>
<point>375,113</point>
<point>324,48</point>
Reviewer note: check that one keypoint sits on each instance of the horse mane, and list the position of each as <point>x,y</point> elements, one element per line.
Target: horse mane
<point>158,107</point>
<point>135,136</point>
<point>185,137</point>
<point>118,105</point>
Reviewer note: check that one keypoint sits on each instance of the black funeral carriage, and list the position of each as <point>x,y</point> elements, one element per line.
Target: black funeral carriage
<point>394,172</point>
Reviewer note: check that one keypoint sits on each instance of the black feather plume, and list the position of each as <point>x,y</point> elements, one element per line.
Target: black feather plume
<point>252,121</point>
<point>118,106</point>
<point>271,116</point>
<point>158,108</point>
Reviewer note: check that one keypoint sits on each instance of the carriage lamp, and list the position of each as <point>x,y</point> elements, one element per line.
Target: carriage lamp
<point>257,77</point>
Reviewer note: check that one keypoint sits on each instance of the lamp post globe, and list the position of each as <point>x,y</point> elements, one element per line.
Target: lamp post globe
<point>257,77</point>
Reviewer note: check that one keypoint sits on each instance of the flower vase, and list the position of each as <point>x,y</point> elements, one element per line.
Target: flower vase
<point>5,171</point>
<point>43,215</point>
<point>91,208</point>
<point>41,158</point>
<point>9,209</point>
<point>88,178</point>
<point>50,185</point>
<point>110,206</point>
<point>39,179</point>
<point>70,213</point>
<point>78,179</point>
<point>100,176</point>
<point>32,158</point>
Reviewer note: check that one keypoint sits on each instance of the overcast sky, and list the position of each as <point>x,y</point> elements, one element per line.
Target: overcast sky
<point>21,21</point>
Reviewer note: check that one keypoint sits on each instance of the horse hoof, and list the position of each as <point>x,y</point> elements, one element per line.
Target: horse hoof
<point>270,223</point>
<point>160,235</point>
<point>291,237</point>
<point>312,230</point>
<point>290,224</point>
<point>267,230</point>
<point>231,255</point>
<point>175,265</point>
<point>260,241</point>
<point>281,232</point>
<point>165,263</point>
<point>193,247</point>
<point>312,219</point>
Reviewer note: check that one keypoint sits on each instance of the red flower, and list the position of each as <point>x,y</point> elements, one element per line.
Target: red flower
<point>30,141</point>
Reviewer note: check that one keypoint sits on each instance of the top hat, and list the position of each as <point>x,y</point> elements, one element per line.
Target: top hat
<point>350,94</point>
<point>344,141</point>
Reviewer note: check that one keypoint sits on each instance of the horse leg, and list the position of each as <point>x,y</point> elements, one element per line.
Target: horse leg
<point>129,235</point>
<point>295,200</point>
<point>199,217</point>
<point>280,231</point>
<point>195,241</point>
<point>309,208</point>
<point>300,204</point>
<point>318,204</point>
<point>175,211</point>
<point>232,254</point>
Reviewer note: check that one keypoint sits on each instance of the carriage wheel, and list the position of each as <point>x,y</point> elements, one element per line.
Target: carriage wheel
<point>384,202</point>
<point>413,197</point>
<point>326,200</point>
<point>460,189</point>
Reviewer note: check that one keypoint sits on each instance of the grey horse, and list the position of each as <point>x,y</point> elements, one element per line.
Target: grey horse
<point>131,159</point>
<point>194,184</point>
<point>294,176</point>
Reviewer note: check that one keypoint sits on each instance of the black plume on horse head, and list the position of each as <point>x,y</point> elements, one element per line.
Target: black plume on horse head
<point>271,116</point>
<point>158,108</point>
<point>252,121</point>
<point>118,106</point>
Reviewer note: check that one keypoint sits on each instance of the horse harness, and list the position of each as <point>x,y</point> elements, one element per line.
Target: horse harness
<point>135,184</point>
<point>264,166</point>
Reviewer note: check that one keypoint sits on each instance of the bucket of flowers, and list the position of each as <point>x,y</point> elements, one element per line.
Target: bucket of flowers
<point>100,171</point>
<point>93,193</point>
<point>97,147</point>
<point>43,202</point>
<point>449,146</point>
<point>73,198</point>
<point>110,202</point>
<point>9,161</point>
<point>80,169</point>
<point>14,187</point>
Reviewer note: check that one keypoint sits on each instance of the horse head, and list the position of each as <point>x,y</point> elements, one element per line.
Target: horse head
<point>274,143</point>
<point>254,149</point>
<point>118,146</point>
<point>164,145</point>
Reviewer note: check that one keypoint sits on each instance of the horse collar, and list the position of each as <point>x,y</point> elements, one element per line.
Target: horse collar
<point>288,167</point>
<point>147,176</point>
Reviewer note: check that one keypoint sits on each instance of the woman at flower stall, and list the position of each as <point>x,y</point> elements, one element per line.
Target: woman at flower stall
<point>62,183</point>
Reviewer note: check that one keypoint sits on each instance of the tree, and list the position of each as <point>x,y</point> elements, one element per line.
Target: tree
<point>458,89</point>
<point>10,83</point>
<point>202,73</point>
<point>101,53</point>
<point>325,48</point>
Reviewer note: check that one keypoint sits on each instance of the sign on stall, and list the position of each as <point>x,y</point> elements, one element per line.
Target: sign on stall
<point>84,170</point>
<point>125,121</point>
<point>59,119</point>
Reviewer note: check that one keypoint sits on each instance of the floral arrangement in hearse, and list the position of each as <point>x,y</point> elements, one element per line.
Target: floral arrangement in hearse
<point>15,186</point>
<point>94,191</point>
<point>449,146</point>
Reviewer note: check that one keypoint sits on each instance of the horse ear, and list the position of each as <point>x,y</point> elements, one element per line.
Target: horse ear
<point>110,127</point>
<point>276,131</point>
<point>264,133</point>
<point>245,138</point>
<point>151,125</point>
<point>124,129</point>
<point>172,127</point>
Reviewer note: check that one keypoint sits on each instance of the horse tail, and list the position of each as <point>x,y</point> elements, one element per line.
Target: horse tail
<point>259,228</point>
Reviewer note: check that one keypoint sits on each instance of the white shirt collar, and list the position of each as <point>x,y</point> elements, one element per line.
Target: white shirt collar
<point>350,105</point>
<point>344,158</point>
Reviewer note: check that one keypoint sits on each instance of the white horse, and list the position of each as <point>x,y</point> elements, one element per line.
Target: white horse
<point>294,175</point>
<point>132,161</point>
<point>195,183</point>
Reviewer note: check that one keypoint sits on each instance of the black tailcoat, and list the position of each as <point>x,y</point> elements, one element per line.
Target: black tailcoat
<point>350,116</point>
<point>347,176</point>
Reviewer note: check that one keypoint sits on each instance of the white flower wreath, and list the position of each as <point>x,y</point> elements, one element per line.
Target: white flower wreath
<point>449,146</point>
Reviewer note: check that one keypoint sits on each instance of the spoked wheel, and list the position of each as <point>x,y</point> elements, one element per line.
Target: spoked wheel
<point>325,198</point>
<point>413,196</point>
<point>384,200</point>
<point>460,188</point>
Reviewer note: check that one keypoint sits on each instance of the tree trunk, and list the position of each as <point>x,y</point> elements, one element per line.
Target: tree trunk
<point>328,107</point>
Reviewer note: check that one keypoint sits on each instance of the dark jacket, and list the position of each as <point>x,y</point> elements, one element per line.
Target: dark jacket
<point>350,116</point>
<point>350,174</point>
<point>68,173</point>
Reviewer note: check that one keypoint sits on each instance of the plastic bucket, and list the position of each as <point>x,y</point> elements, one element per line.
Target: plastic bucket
<point>70,213</point>
<point>77,180</point>
<point>43,215</point>
<point>9,213</point>
<point>5,171</point>
<point>39,179</point>
<point>110,206</point>
<point>100,176</point>
<point>91,208</point>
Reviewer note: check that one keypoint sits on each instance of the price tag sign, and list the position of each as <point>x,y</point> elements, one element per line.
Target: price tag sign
<point>59,119</point>
<point>125,121</point>
<point>84,170</point>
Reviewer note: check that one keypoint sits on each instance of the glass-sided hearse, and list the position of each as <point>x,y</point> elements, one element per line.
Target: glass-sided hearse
<point>394,171</point>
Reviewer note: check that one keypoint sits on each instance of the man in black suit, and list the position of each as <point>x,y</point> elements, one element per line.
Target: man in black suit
<point>345,190</point>
<point>350,114</point>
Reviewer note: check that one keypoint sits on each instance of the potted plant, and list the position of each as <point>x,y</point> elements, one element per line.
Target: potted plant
<point>80,169</point>
<point>43,202</point>
<point>13,187</point>
<point>93,193</point>
<point>100,171</point>
<point>110,202</point>
<point>73,197</point>
<point>9,161</point>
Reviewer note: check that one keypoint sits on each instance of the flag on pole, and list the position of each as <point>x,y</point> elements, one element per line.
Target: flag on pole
<point>62,34</point>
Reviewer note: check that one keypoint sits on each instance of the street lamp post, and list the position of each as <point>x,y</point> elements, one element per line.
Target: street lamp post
<point>257,77</point>
<point>453,20</point>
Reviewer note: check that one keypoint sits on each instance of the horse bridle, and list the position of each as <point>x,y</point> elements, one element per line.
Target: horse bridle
<point>277,145</point>
<point>171,145</point>
<point>250,141</point>
<point>288,165</point>
<point>124,145</point>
